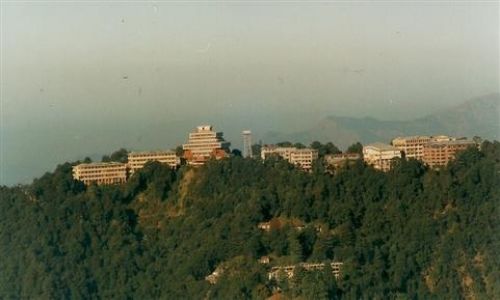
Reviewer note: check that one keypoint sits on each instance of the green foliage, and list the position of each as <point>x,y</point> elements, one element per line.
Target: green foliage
<point>256,149</point>
<point>120,155</point>
<point>355,148</point>
<point>154,178</point>
<point>410,233</point>
<point>324,149</point>
<point>284,144</point>
<point>179,151</point>
<point>242,278</point>
<point>236,152</point>
<point>299,145</point>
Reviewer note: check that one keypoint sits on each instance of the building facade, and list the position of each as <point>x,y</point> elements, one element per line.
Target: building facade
<point>302,158</point>
<point>101,173</point>
<point>137,160</point>
<point>269,150</point>
<point>440,153</point>
<point>205,143</point>
<point>289,271</point>
<point>413,146</point>
<point>380,155</point>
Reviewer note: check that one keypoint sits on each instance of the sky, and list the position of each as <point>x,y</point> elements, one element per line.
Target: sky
<point>86,78</point>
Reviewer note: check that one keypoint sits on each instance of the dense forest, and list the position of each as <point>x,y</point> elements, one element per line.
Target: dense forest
<point>410,233</point>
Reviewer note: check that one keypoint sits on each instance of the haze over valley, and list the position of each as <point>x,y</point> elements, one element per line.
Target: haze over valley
<point>86,79</point>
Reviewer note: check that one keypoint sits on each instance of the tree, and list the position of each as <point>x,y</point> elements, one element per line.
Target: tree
<point>179,151</point>
<point>409,233</point>
<point>324,149</point>
<point>120,155</point>
<point>236,152</point>
<point>355,148</point>
<point>284,144</point>
<point>294,247</point>
<point>299,146</point>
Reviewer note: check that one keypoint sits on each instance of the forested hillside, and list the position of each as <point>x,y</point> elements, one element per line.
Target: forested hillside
<point>406,234</point>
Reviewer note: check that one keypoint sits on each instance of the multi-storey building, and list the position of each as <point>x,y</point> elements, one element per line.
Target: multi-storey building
<point>269,150</point>
<point>137,160</point>
<point>413,146</point>
<point>204,143</point>
<point>380,155</point>
<point>101,173</point>
<point>338,160</point>
<point>302,158</point>
<point>439,153</point>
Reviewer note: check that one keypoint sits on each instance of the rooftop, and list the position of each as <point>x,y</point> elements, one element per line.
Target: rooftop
<point>305,150</point>
<point>274,147</point>
<point>154,152</point>
<point>382,146</point>
<point>452,142</point>
<point>101,164</point>
<point>204,127</point>
<point>412,137</point>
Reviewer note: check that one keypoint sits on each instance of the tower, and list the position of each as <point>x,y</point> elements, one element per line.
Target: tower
<point>247,143</point>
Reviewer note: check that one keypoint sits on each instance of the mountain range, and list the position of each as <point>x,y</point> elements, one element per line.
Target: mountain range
<point>476,117</point>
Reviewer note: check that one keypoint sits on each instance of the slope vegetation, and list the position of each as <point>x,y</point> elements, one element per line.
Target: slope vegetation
<point>410,233</point>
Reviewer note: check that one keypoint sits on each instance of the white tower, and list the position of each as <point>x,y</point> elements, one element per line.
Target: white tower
<point>247,143</point>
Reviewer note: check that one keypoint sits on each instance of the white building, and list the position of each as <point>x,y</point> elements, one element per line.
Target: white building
<point>380,155</point>
<point>204,143</point>
<point>101,173</point>
<point>302,158</point>
<point>269,150</point>
<point>137,160</point>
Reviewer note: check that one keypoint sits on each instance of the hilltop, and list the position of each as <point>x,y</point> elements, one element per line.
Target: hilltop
<point>479,116</point>
<point>409,233</point>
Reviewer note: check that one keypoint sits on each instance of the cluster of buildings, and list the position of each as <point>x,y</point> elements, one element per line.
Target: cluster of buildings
<point>289,271</point>
<point>434,151</point>
<point>282,272</point>
<point>204,143</point>
<point>116,172</point>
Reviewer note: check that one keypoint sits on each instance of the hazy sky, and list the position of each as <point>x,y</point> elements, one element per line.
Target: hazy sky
<point>86,78</point>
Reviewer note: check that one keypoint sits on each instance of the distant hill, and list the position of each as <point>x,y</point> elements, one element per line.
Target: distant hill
<point>479,116</point>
